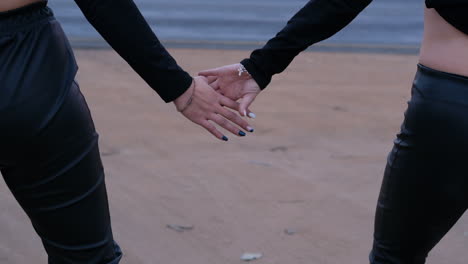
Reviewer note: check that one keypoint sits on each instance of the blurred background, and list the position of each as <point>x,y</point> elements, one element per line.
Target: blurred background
<point>384,26</point>
<point>301,189</point>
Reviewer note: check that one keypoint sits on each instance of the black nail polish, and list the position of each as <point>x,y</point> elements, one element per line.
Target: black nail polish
<point>242,133</point>
<point>224,138</point>
<point>251,130</point>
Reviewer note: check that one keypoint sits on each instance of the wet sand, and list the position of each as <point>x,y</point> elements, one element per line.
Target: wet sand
<point>314,165</point>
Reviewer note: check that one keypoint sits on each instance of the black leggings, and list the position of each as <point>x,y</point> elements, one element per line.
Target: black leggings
<point>49,154</point>
<point>425,186</point>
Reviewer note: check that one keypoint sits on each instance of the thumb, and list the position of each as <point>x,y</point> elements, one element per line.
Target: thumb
<point>211,72</point>
<point>245,102</point>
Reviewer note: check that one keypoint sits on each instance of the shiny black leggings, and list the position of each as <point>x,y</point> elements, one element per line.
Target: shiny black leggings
<point>425,186</point>
<point>49,155</point>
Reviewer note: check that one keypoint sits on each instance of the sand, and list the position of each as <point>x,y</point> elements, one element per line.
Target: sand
<point>313,166</point>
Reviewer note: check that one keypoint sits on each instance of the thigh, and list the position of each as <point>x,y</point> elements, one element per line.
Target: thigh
<point>59,182</point>
<point>413,213</point>
<point>423,193</point>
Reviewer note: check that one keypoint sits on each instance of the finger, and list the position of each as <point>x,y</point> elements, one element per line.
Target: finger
<point>211,79</point>
<point>250,114</point>
<point>215,85</point>
<point>225,101</point>
<point>237,119</point>
<point>224,123</point>
<point>213,130</point>
<point>245,112</point>
<point>211,72</point>
<point>245,102</point>
<point>232,116</point>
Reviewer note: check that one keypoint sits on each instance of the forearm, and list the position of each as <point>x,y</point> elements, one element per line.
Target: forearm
<point>121,24</point>
<point>316,21</point>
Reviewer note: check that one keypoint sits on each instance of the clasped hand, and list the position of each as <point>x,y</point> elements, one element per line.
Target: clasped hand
<point>213,93</point>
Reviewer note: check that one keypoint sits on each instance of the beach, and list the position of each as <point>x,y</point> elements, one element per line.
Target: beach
<point>301,189</point>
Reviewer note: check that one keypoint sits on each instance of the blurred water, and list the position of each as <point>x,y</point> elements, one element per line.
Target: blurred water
<point>228,23</point>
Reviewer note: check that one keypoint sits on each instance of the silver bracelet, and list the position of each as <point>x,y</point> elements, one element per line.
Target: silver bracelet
<point>242,69</point>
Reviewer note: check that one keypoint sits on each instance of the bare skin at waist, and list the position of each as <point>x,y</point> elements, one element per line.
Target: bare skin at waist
<point>444,48</point>
<point>6,5</point>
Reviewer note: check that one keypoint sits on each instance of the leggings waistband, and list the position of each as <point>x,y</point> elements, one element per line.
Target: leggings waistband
<point>17,19</point>
<point>441,86</point>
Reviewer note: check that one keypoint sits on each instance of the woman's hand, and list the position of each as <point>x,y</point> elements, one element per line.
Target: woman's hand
<point>226,80</point>
<point>201,104</point>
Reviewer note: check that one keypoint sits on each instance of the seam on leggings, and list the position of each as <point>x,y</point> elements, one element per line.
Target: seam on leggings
<point>379,203</point>
<point>64,170</point>
<point>444,101</point>
<point>62,98</point>
<point>79,248</point>
<point>399,147</point>
<point>74,200</point>
<point>420,93</point>
<point>377,243</point>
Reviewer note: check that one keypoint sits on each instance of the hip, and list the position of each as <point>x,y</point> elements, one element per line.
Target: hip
<point>36,60</point>
<point>436,120</point>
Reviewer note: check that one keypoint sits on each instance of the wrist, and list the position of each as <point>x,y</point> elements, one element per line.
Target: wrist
<point>243,72</point>
<point>172,86</point>
<point>256,73</point>
<point>183,101</point>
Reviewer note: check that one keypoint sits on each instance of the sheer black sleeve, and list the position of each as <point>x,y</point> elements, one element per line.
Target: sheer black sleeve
<point>316,21</point>
<point>121,24</point>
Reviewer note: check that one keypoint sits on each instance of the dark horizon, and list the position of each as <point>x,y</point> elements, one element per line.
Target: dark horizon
<point>396,24</point>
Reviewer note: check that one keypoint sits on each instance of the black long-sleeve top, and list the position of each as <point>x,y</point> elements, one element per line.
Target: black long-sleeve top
<point>453,11</point>
<point>316,21</point>
<point>321,19</point>
<point>124,28</point>
<point>121,24</point>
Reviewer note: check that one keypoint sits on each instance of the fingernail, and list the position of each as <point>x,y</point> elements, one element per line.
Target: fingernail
<point>252,115</point>
<point>250,129</point>
<point>224,138</point>
<point>242,133</point>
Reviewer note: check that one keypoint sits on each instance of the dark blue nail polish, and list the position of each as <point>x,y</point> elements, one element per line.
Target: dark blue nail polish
<point>242,133</point>
<point>251,130</point>
<point>224,138</point>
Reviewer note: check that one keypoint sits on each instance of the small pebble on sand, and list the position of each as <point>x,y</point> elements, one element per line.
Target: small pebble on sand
<point>251,256</point>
